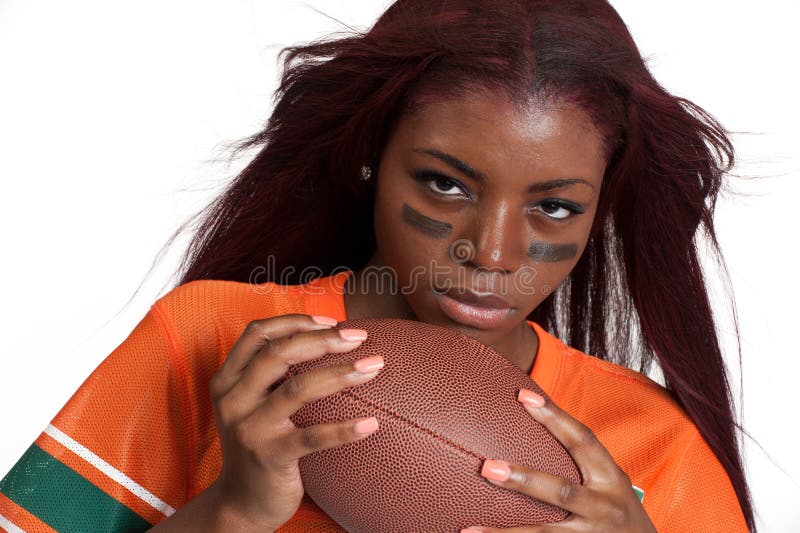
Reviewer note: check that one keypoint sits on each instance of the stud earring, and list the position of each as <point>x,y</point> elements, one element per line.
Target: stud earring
<point>366,173</point>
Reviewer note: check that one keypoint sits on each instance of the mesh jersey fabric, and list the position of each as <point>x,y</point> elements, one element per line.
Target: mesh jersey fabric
<point>138,438</point>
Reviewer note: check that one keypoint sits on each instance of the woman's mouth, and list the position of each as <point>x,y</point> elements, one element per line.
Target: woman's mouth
<point>477,310</point>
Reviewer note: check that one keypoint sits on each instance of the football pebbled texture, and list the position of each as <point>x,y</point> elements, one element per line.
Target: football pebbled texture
<point>445,402</point>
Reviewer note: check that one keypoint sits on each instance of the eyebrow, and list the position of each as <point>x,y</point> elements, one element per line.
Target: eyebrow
<point>480,177</point>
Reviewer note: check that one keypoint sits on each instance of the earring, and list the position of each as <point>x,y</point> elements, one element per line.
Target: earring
<point>366,173</point>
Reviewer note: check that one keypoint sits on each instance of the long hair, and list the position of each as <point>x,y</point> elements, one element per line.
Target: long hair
<point>638,292</point>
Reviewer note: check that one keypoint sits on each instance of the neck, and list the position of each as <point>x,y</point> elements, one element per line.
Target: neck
<point>363,299</point>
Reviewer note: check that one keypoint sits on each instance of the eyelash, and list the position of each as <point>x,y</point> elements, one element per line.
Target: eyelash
<point>574,209</point>
<point>428,177</point>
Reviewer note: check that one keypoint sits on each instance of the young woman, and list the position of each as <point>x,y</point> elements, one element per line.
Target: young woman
<point>521,177</point>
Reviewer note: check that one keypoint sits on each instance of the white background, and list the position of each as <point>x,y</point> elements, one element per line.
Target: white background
<point>113,124</point>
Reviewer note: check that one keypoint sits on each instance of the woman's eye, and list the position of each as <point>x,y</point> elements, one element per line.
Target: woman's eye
<point>557,210</point>
<point>444,186</point>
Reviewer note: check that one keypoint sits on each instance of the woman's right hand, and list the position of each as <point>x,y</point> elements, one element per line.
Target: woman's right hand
<point>259,483</point>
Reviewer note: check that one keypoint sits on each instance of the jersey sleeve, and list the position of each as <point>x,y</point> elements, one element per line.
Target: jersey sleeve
<point>703,498</point>
<point>113,458</point>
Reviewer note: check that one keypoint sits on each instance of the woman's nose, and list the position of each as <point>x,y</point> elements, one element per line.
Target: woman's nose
<point>497,234</point>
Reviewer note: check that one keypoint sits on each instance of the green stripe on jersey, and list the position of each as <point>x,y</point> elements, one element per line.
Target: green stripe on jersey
<point>63,499</point>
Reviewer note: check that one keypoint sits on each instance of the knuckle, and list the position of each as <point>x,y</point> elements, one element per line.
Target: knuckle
<point>333,339</point>
<point>296,386</point>
<point>617,516</point>
<point>215,387</point>
<point>311,439</point>
<point>276,349</point>
<point>240,434</point>
<point>567,493</point>
<point>225,410</point>
<point>346,433</point>
<point>287,350</point>
<point>586,438</point>
<point>277,346</point>
<point>623,477</point>
<point>345,370</point>
<point>257,328</point>
<point>528,482</point>
<point>252,327</point>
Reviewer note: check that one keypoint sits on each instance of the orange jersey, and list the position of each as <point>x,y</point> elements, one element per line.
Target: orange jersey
<point>138,438</point>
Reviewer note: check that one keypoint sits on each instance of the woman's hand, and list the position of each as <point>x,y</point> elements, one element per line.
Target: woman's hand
<point>604,502</point>
<point>259,487</point>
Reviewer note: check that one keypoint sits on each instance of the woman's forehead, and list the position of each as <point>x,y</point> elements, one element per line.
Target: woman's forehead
<point>496,128</point>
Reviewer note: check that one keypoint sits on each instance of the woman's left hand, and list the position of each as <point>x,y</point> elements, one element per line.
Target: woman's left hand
<point>605,501</point>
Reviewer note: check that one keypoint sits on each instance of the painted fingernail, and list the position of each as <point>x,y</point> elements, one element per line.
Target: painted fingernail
<point>328,321</point>
<point>367,425</point>
<point>369,364</point>
<point>496,470</point>
<point>530,397</point>
<point>353,334</point>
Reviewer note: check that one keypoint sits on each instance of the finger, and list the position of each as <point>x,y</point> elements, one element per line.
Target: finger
<point>303,441</point>
<point>258,334</point>
<point>271,363</point>
<point>592,458</point>
<point>555,490</point>
<point>311,386</point>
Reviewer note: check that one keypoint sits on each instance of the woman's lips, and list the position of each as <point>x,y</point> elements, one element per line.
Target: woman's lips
<point>482,299</point>
<point>470,309</point>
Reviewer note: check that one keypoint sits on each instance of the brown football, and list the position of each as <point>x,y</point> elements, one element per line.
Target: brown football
<point>445,403</point>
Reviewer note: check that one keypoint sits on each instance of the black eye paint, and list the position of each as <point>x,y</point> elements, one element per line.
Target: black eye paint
<point>426,225</point>
<point>552,253</point>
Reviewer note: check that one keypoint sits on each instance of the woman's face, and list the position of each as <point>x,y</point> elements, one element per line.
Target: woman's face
<point>479,194</point>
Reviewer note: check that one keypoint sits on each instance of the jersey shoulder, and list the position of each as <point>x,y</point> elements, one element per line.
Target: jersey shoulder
<point>651,438</point>
<point>205,317</point>
<point>619,384</point>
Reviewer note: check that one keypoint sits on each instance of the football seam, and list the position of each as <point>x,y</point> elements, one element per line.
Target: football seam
<point>413,424</point>
<point>428,432</point>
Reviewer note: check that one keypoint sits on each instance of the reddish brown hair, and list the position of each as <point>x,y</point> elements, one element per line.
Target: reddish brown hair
<point>300,202</point>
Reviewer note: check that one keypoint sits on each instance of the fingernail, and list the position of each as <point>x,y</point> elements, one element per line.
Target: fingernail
<point>471,530</point>
<point>353,334</point>
<point>496,470</point>
<point>530,397</point>
<point>369,364</point>
<point>366,426</point>
<point>328,321</point>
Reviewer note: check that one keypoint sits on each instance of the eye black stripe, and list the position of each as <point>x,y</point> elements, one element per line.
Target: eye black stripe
<point>428,226</point>
<point>551,253</point>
